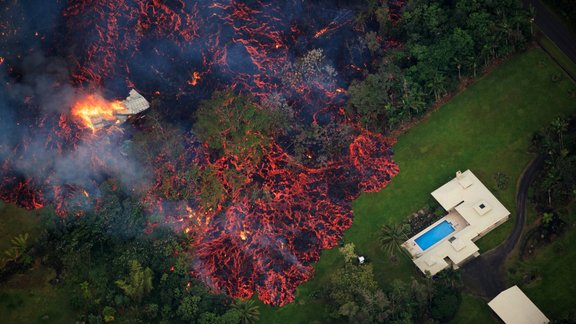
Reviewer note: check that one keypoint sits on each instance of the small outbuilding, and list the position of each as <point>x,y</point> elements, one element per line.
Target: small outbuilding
<point>514,307</point>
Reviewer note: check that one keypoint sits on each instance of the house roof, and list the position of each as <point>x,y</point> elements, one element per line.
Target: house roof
<point>471,199</point>
<point>135,103</point>
<point>514,307</point>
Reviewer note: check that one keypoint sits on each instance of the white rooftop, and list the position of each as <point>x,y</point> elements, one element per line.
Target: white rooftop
<point>135,103</point>
<point>473,211</point>
<point>514,307</point>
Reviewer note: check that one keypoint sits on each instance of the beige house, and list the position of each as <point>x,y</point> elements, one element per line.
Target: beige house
<point>514,307</point>
<point>473,211</point>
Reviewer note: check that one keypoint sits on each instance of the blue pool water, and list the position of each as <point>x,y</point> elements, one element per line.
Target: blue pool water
<point>434,235</point>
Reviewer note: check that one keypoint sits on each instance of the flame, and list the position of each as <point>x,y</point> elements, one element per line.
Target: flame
<point>195,78</point>
<point>93,107</point>
<point>321,32</point>
<point>244,235</point>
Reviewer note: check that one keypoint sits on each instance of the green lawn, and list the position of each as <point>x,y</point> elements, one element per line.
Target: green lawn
<point>476,309</point>
<point>486,129</point>
<point>552,291</point>
<point>28,297</point>
<point>14,221</point>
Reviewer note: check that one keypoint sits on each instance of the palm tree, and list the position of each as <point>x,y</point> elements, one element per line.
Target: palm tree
<point>20,241</point>
<point>450,278</point>
<point>13,253</point>
<point>560,126</point>
<point>249,313</point>
<point>458,64</point>
<point>392,236</point>
<point>436,85</point>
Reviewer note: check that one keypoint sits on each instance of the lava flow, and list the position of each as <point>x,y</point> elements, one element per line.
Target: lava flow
<point>273,208</point>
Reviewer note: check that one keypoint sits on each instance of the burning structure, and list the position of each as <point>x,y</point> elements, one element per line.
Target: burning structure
<point>273,208</point>
<point>96,112</point>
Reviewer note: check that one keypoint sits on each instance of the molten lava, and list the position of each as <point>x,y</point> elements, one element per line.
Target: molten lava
<point>273,213</point>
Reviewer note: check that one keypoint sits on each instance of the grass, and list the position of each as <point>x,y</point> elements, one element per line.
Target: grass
<point>14,221</point>
<point>487,129</point>
<point>474,308</point>
<point>554,265</point>
<point>28,297</point>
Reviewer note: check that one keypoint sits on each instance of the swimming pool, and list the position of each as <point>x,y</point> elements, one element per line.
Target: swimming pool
<point>434,235</point>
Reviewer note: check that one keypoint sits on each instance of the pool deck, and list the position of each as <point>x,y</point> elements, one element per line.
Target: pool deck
<point>457,222</point>
<point>473,211</point>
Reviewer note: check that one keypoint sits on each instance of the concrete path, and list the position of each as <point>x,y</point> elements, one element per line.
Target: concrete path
<point>484,275</point>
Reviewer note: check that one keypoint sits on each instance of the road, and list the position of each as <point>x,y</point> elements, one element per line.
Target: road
<point>553,27</point>
<point>484,275</point>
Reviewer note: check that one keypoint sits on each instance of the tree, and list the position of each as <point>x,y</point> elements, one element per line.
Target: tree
<point>20,241</point>
<point>450,278</point>
<point>547,218</point>
<point>139,282</point>
<point>14,252</point>
<point>348,251</point>
<point>437,85</point>
<point>109,314</point>
<point>311,68</point>
<point>391,237</point>
<point>445,306</point>
<point>400,301</point>
<point>247,311</point>
<point>188,308</point>
<point>502,180</point>
<point>354,294</point>
<point>229,317</point>
<point>212,190</point>
<point>560,126</point>
<point>379,99</point>
<point>421,295</point>
<point>234,123</point>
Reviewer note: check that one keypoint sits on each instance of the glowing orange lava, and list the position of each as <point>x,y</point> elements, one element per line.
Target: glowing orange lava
<point>195,78</point>
<point>244,235</point>
<point>93,110</point>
